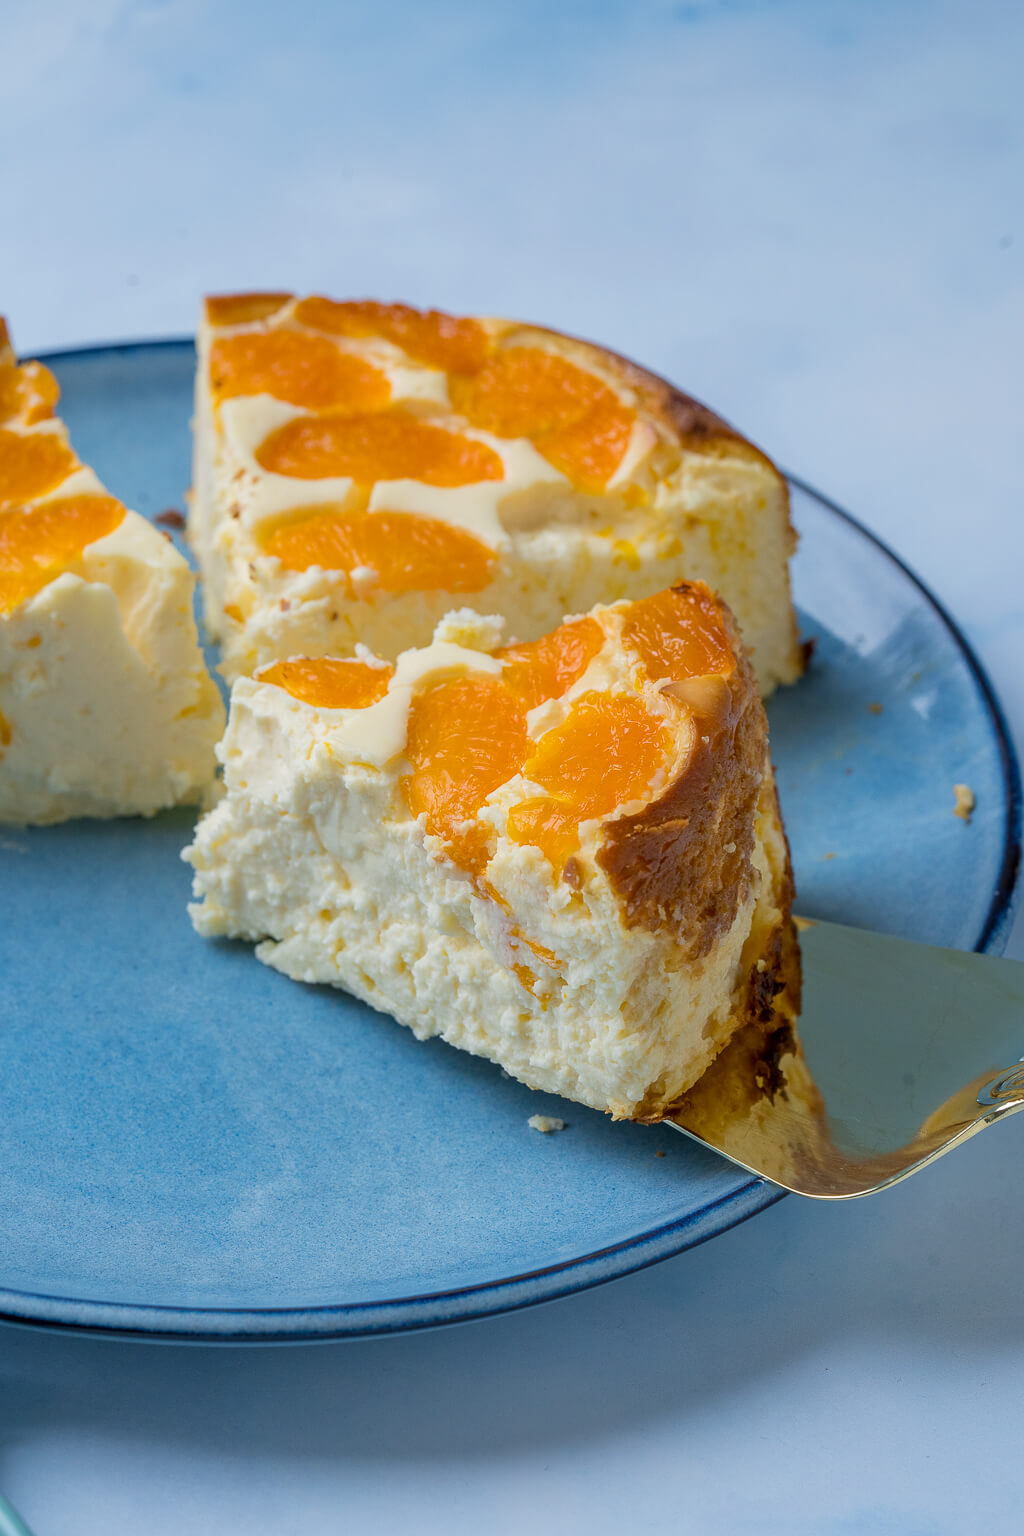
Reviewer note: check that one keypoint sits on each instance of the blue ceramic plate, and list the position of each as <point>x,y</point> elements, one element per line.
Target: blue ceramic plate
<point>193,1147</point>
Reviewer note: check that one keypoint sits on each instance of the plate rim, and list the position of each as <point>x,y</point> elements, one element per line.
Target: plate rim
<point>995,928</point>
<point>225,1325</point>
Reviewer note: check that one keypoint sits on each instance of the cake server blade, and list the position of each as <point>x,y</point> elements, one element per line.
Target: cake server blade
<point>905,1052</point>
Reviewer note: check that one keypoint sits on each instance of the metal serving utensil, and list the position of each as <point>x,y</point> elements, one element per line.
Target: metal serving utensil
<point>907,1051</point>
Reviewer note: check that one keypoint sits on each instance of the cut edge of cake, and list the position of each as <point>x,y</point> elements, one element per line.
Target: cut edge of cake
<point>106,706</point>
<point>615,980</point>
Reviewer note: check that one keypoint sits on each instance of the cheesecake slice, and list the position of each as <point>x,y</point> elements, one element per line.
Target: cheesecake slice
<point>565,855</point>
<point>362,468</point>
<point>106,707</point>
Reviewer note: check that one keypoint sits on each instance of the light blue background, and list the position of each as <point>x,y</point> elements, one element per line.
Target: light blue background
<point>810,215</point>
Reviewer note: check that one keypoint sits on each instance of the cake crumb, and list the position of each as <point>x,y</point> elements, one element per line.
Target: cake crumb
<point>876,709</point>
<point>965,801</point>
<point>572,875</point>
<point>171,518</point>
<point>659,1154</point>
<point>801,924</point>
<point>474,631</point>
<point>545,1123</point>
<point>829,856</point>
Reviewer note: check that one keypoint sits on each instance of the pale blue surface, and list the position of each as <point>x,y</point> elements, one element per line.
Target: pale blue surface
<point>199,1147</point>
<point>815,224</point>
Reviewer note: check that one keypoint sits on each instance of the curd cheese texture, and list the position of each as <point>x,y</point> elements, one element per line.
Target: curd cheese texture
<point>361,468</point>
<point>106,706</point>
<point>562,854</point>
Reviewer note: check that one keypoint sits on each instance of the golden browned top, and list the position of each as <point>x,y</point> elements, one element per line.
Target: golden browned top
<point>687,421</point>
<point>578,403</point>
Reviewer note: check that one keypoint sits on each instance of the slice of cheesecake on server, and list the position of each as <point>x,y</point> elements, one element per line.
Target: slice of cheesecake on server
<point>362,468</point>
<point>106,707</point>
<point>564,855</point>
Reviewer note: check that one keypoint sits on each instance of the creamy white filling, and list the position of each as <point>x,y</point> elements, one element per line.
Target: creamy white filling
<point>107,708</point>
<point>374,736</point>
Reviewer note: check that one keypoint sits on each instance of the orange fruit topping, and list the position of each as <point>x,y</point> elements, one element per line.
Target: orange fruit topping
<point>409,553</point>
<point>309,371</point>
<point>329,683</point>
<point>37,545</point>
<point>679,633</point>
<point>31,464</point>
<point>429,336</point>
<point>546,668</point>
<point>243,308</point>
<point>590,451</point>
<point>605,753</point>
<point>28,393</point>
<point>546,825</point>
<point>466,737</point>
<point>573,418</point>
<point>526,392</point>
<point>393,445</point>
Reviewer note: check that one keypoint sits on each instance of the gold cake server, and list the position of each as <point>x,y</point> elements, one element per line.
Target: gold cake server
<point>905,1051</point>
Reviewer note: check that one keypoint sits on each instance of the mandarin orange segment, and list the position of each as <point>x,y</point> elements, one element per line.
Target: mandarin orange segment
<point>573,418</point>
<point>606,752</point>
<point>429,336</point>
<point>408,553</point>
<point>547,825</point>
<point>28,393</point>
<point>590,451</point>
<point>308,371</point>
<point>329,683</point>
<point>466,737</point>
<point>37,545</point>
<point>525,392</point>
<point>393,445</point>
<point>546,668</point>
<point>10,391</point>
<point>679,633</point>
<point>31,464</point>
<point>243,308</point>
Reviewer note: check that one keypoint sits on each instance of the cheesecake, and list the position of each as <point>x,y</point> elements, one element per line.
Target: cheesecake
<point>106,706</point>
<point>362,468</point>
<point>564,855</point>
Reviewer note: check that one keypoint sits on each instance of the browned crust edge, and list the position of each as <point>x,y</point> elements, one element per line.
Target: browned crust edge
<point>693,424</point>
<point>682,863</point>
<point>752,1064</point>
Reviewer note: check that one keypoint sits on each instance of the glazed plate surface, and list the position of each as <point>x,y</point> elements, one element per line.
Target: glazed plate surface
<point>194,1147</point>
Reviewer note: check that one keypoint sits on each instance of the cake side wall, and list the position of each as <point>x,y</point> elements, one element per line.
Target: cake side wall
<point>92,731</point>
